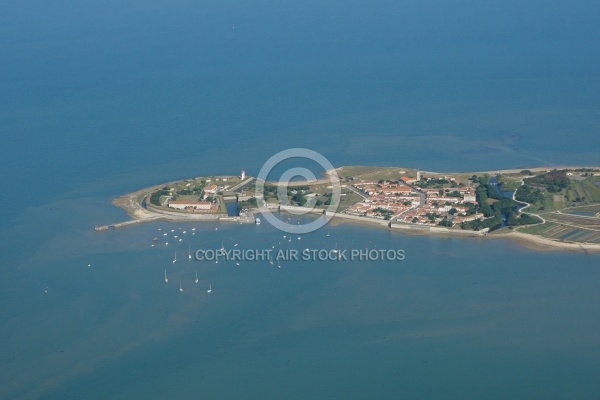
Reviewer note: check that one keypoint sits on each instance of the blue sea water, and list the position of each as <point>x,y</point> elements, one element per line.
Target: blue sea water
<point>99,99</point>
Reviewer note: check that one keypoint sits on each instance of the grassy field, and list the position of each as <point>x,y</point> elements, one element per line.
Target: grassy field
<point>569,227</point>
<point>367,173</point>
<point>537,229</point>
<point>592,208</point>
<point>554,201</point>
<point>587,189</point>
<point>348,199</point>
<point>510,182</point>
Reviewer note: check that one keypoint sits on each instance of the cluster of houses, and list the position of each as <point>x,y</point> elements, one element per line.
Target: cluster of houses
<point>405,201</point>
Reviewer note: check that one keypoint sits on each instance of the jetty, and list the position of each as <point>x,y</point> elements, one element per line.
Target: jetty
<point>118,225</point>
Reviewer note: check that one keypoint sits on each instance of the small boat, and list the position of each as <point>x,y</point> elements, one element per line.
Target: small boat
<point>196,280</point>
<point>328,234</point>
<point>175,259</point>
<point>180,287</point>
<point>166,279</point>
<point>155,239</point>
<point>336,249</point>
<point>257,221</point>
<point>209,288</point>
<point>190,252</point>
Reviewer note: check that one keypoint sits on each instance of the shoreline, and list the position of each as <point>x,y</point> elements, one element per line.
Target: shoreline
<point>131,204</point>
<point>531,242</point>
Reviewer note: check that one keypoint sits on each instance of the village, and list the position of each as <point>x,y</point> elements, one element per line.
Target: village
<point>439,200</point>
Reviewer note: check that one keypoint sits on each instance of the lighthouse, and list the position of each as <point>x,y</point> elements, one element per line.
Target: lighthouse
<point>243,174</point>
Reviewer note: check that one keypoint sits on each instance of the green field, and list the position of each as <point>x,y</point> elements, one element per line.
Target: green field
<point>349,198</point>
<point>367,173</point>
<point>586,190</point>
<point>537,229</point>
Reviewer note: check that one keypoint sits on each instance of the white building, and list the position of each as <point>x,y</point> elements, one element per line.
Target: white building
<point>470,197</point>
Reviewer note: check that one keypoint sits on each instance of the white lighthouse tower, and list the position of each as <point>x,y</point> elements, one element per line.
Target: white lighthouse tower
<point>243,175</point>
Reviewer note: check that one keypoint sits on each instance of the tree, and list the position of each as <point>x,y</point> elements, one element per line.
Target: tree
<point>446,222</point>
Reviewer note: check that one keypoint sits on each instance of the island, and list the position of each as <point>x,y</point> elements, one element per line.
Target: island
<point>542,208</point>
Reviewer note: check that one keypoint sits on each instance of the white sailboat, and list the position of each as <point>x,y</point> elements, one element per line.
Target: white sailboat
<point>175,259</point>
<point>336,249</point>
<point>209,288</point>
<point>190,252</point>
<point>196,280</point>
<point>180,287</point>
<point>328,234</point>
<point>166,279</point>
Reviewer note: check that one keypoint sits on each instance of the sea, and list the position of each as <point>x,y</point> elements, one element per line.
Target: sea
<point>98,99</point>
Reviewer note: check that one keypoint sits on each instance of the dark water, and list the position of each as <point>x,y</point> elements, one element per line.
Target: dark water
<point>103,99</point>
<point>583,213</point>
<point>232,208</point>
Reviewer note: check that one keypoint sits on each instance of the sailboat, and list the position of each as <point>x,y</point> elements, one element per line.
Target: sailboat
<point>222,248</point>
<point>209,288</point>
<point>196,280</point>
<point>190,252</point>
<point>328,234</point>
<point>175,259</point>
<point>166,279</point>
<point>336,249</point>
<point>180,287</point>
